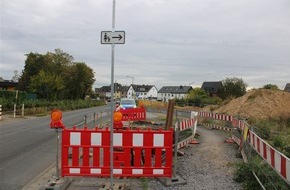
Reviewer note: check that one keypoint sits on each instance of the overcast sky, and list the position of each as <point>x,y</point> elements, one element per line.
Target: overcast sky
<point>168,42</point>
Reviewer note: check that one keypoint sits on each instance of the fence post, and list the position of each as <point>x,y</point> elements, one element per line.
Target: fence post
<point>85,118</point>
<point>22,113</point>
<point>57,153</point>
<point>101,119</point>
<point>175,148</point>
<point>14,112</point>
<point>94,119</point>
<point>0,112</point>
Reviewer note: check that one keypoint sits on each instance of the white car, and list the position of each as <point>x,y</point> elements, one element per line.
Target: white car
<point>126,103</point>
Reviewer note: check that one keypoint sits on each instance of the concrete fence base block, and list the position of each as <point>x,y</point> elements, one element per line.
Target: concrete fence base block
<point>180,153</point>
<point>116,186</point>
<point>229,140</point>
<point>57,184</point>
<point>194,142</point>
<point>177,180</point>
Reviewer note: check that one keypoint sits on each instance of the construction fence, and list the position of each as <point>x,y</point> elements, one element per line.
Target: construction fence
<point>137,153</point>
<point>244,136</point>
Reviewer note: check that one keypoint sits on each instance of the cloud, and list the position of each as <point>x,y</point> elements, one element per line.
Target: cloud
<point>168,42</point>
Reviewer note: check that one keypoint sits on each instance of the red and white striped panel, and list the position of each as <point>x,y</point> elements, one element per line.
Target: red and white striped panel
<point>83,143</point>
<point>236,139</point>
<point>241,124</point>
<point>275,159</point>
<point>221,128</point>
<point>216,116</point>
<point>185,124</point>
<point>205,114</point>
<point>223,117</point>
<point>185,142</point>
<point>133,114</point>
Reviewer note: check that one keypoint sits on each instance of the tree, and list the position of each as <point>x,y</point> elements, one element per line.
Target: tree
<point>197,96</point>
<point>46,85</point>
<point>233,88</point>
<point>16,76</point>
<point>55,76</point>
<point>79,79</point>
<point>271,87</point>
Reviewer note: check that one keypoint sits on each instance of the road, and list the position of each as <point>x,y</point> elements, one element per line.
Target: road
<point>27,147</point>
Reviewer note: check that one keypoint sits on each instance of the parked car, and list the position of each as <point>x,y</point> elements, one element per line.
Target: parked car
<point>126,103</point>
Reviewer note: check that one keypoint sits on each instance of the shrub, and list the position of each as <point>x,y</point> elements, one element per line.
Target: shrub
<point>278,142</point>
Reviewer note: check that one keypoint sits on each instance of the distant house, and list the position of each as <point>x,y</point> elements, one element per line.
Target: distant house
<point>213,88</point>
<point>287,87</point>
<point>119,91</point>
<point>123,91</point>
<point>171,92</point>
<point>104,91</point>
<point>8,85</point>
<point>142,91</point>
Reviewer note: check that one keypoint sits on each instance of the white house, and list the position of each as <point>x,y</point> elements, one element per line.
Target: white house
<point>173,92</point>
<point>142,92</point>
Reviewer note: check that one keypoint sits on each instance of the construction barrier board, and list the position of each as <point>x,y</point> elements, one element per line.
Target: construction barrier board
<point>137,153</point>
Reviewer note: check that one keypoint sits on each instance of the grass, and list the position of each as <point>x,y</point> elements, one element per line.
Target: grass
<point>145,183</point>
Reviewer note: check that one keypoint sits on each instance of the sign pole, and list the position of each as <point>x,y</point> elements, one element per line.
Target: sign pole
<point>57,153</point>
<point>112,97</point>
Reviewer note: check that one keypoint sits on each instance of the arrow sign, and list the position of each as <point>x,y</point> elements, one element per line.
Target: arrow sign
<point>109,37</point>
<point>120,37</point>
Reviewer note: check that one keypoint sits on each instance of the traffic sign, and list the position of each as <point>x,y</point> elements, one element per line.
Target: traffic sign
<point>109,37</point>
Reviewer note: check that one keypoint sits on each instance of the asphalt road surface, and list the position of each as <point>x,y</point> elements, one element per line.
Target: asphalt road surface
<point>28,146</point>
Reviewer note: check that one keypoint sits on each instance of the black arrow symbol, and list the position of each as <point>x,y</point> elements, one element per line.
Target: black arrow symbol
<point>120,37</point>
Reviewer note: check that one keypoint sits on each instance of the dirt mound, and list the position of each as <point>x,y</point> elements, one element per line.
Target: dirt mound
<point>259,104</point>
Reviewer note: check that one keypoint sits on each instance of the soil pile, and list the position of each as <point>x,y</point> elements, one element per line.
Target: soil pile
<point>259,104</point>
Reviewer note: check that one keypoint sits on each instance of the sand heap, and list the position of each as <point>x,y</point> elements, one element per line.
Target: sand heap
<point>259,104</point>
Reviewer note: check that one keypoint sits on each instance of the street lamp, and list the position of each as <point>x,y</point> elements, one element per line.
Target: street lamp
<point>131,78</point>
<point>190,84</point>
<point>189,88</point>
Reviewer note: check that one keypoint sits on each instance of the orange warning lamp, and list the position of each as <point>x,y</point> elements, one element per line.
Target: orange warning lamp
<point>140,104</point>
<point>56,116</point>
<point>118,119</point>
<point>118,116</point>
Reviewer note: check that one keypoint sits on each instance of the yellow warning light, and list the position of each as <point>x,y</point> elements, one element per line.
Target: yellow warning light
<point>118,116</point>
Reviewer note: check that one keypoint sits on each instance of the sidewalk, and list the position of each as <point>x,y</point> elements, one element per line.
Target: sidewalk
<point>10,118</point>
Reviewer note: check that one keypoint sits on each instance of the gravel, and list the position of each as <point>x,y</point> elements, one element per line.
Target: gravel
<point>205,166</point>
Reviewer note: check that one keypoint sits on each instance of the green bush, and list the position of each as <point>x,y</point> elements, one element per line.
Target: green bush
<point>279,142</point>
<point>269,178</point>
<point>245,176</point>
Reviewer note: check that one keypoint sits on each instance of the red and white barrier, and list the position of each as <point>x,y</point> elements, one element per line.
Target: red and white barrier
<point>275,159</point>
<point>138,153</point>
<point>184,125</point>
<point>216,116</point>
<point>278,161</point>
<point>133,114</point>
<point>241,124</point>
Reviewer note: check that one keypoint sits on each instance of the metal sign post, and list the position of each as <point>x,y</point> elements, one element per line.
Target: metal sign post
<point>112,98</point>
<point>56,124</point>
<point>57,153</point>
<point>112,37</point>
